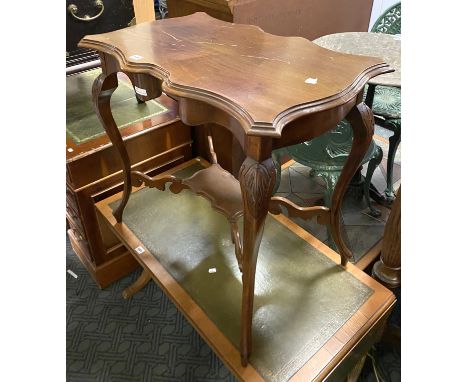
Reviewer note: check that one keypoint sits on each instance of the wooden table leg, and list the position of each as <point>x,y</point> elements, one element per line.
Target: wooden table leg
<point>362,123</point>
<point>141,281</point>
<point>103,87</point>
<point>256,180</point>
<point>388,269</point>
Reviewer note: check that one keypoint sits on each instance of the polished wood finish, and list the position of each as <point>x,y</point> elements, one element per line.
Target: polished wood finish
<point>322,213</point>
<point>94,172</point>
<point>370,256</point>
<point>235,76</point>
<point>388,269</point>
<point>278,203</point>
<point>362,123</point>
<point>105,258</point>
<point>144,10</point>
<point>203,61</point>
<point>257,179</point>
<point>331,362</point>
<point>141,281</point>
<point>77,153</point>
<point>214,184</point>
<point>109,271</point>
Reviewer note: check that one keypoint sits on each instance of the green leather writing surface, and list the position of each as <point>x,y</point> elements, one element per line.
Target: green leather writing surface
<point>82,121</point>
<point>301,296</point>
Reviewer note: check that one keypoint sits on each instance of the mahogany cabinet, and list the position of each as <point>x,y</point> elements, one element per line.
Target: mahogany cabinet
<point>155,144</point>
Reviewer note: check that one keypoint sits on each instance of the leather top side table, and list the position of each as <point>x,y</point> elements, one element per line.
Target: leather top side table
<point>269,91</point>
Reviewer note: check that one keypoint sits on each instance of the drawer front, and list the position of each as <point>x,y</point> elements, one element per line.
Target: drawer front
<point>117,14</point>
<point>71,202</point>
<point>75,224</point>
<point>86,224</point>
<point>79,245</point>
<point>106,162</point>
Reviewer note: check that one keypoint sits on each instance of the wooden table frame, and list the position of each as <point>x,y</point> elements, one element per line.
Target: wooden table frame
<point>338,354</point>
<point>255,139</point>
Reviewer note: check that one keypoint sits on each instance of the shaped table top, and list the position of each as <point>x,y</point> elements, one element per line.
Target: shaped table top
<point>382,45</point>
<point>262,79</point>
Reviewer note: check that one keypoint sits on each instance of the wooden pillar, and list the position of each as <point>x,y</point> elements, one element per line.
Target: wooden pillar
<point>388,269</point>
<point>144,10</point>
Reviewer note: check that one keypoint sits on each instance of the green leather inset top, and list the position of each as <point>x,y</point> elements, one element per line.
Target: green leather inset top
<point>301,296</point>
<point>82,122</point>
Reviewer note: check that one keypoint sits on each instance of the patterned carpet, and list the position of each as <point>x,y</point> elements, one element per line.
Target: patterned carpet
<point>146,339</point>
<point>143,339</point>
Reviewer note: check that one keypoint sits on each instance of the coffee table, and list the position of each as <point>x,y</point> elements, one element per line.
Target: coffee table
<point>268,91</point>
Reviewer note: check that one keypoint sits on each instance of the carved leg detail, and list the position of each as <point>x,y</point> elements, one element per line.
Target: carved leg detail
<point>276,156</point>
<point>388,269</point>
<point>141,281</point>
<point>257,181</point>
<point>373,164</point>
<point>362,123</point>
<point>392,149</point>
<point>103,87</point>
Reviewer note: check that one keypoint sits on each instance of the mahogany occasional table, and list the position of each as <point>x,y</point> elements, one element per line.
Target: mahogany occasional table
<point>268,91</point>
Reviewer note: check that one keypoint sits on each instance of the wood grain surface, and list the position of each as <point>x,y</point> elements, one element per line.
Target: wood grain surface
<point>358,333</point>
<point>239,68</point>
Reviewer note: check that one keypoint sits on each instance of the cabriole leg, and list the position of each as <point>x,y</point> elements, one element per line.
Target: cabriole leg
<point>140,282</point>
<point>392,149</point>
<point>362,123</point>
<point>103,87</point>
<point>257,180</point>
<point>373,164</point>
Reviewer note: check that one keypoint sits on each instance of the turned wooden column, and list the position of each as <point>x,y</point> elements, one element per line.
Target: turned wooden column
<point>388,269</point>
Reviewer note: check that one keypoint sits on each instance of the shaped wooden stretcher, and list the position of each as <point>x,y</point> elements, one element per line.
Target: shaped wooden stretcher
<point>269,91</point>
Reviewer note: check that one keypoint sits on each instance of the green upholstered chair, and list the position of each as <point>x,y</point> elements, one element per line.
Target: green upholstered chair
<point>326,155</point>
<point>386,100</point>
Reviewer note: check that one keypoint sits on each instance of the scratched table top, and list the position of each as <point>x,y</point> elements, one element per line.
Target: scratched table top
<point>369,44</point>
<point>260,76</point>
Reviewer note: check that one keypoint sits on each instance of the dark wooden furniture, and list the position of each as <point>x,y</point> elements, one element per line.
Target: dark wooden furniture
<point>388,269</point>
<point>268,91</point>
<point>309,19</point>
<point>89,17</point>
<point>94,172</point>
<point>325,320</point>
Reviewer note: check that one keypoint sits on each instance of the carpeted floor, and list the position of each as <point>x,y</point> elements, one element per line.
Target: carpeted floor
<point>142,339</point>
<point>145,339</point>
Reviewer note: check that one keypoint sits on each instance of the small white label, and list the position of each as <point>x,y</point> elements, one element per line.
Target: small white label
<point>70,150</point>
<point>212,270</point>
<point>140,91</point>
<point>72,273</point>
<point>139,250</point>
<point>311,81</point>
<point>136,57</point>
